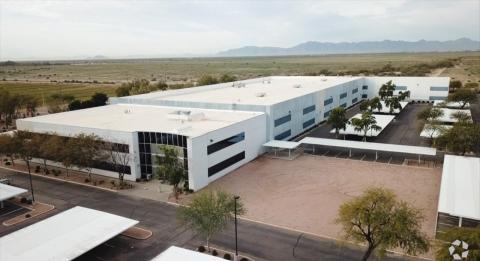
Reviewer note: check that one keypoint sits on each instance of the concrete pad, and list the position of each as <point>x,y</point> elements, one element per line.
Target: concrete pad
<point>306,193</point>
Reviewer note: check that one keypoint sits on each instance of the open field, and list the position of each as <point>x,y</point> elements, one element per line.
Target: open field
<point>42,78</point>
<point>43,90</point>
<point>306,193</point>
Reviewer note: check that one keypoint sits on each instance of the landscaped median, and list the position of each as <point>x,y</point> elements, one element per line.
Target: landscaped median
<point>35,209</point>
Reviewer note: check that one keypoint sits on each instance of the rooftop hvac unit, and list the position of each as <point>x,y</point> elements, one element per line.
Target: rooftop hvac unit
<point>260,94</point>
<point>324,79</point>
<point>297,86</point>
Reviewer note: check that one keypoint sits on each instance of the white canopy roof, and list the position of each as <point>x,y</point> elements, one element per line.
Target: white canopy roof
<point>427,133</point>
<point>447,115</point>
<point>370,146</point>
<point>460,187</point>
<point>386,109</point>
<point>282,144</point>
<point>382,121</point>
<point>451,104</point>
<point>174,253</point>
<point>7,191</point>
<point>64,236</point>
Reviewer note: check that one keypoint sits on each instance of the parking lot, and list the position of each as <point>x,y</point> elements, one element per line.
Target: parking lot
<point>305,193</point>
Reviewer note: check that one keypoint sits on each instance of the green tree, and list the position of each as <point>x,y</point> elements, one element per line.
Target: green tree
<point>122,91</point>
<point>26,150</point>
<point>338,120</point>
<point>454,85</point>
<point>209,213</point>
<point>463,96</point>
<point>462,138</point>
<point>161,85</point>
<point>461,116</point>
<point>471,236</point>
<point>8,147</point>
<point>85,152</point>
<point>207,80</point>
<point>227,78</point>
<point>375,104</point>
<point>119,156</point>
<point>170,168</point>
<point>393,103</point>
<point>429,118</point>
<point>51,149</point>
<point>386,90</point>
<point>380,220</point>
<point>365,123</point>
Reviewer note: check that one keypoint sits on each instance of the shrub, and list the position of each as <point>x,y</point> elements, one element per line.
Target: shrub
<point>100,182</point>
<point>37,169</point>
<point>87,180</point>
<point>214,253</point>
<point>8,163</point>
<point>201,249</point>
<point>244,259</point>
<point>47,171</point>
<point>112,182</point>
<point>23,200</point>
<point>227,256</point>
<point>28,215</point>
<point>29,201</point>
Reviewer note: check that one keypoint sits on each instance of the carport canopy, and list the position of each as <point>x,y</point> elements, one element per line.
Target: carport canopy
<point>281,144</point>
<point>64,236</point>
<point>373,146</point>
<point>7,191</point>
<point>174,253</point>
<point>460,187</point>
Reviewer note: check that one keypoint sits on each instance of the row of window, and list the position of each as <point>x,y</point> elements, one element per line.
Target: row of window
<point>365,87</point>
<point>400,88</point>
<point>326,114</point>
<point>225,143</point>
<point>439,98</point>
<point>327,101</point>
<point>343,95</point>
<point>112,167</point>
<point>354,90</point>
<point>162,138</point>
<point>226,163</point>
<point>354,100</point>
<point>282,120</point>
<point>283,135</point>
<point>343,105</point>
<point>308,123</point>
<point>308,109</point>
<point>433,88</point>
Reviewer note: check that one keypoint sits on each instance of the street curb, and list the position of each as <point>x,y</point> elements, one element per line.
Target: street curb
<point>60,180</point>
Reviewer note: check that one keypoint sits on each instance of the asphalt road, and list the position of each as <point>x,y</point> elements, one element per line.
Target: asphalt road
<point>259,241</point>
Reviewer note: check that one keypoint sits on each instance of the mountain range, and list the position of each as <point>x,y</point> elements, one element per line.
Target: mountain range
<point>386,46</point>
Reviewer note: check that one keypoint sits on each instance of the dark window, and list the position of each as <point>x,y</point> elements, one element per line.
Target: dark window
<point>308,123</point>
<point>326,114</point>
<point>439,98</point>
<point>365,87</point>
<point>355,90</point>
<point>282,120</point>
<point>225,143</point>
<point>308,109</point>
<point>343,95</point>
<point>354,100</point>
<point>140,138</point>
<point>400,88</point>
<point>344,105</point>
<point>439,88</point>
<point>226,163</point>
<point>327,101</point>
<point>364,96</point>
<point>283,135</point>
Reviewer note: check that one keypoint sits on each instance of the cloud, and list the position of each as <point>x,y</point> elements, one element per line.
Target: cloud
<point>54,29</point>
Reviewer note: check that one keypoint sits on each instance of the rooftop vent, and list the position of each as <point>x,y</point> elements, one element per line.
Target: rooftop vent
<point>186,115</point>
<point>324,79</point>
<point>238,85</point>
<point>260,94</point>
<point>297,86</point>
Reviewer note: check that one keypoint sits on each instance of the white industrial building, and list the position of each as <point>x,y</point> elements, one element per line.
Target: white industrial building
<point>223,126</point>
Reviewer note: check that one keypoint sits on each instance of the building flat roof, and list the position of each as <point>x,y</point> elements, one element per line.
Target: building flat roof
<point>260,91</point>
<point>130,118</point>
<point>374,146</point>
<point>174,253</point>
<point>64,236</point>
<point>382,121</point>
<point>7,191</point>
<point>460,187</point>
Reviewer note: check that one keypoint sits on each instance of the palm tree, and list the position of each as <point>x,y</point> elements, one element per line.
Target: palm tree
<point>338,120</point>
<point>393,103</point>
<point>376,104</point>
<point>365,123</point>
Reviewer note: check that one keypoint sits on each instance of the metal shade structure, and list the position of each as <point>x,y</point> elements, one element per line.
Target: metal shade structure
<point>64,236</point>
<point>174,253</point>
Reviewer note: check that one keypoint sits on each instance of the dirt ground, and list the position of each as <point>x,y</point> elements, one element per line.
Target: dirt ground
<point>305,193</point>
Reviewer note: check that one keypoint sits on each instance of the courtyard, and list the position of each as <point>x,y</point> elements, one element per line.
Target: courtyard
<point>306,193</point>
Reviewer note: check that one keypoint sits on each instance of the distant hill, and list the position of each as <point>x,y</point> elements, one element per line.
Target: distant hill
<point>386,46</point>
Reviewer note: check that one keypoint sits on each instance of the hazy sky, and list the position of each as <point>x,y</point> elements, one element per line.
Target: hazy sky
<point>69,29</point>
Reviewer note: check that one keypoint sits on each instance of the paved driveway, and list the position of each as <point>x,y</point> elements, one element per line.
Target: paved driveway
<point>259,241</point>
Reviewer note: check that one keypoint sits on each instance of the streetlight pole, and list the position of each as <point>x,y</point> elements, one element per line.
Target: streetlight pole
<point>236,235</point>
